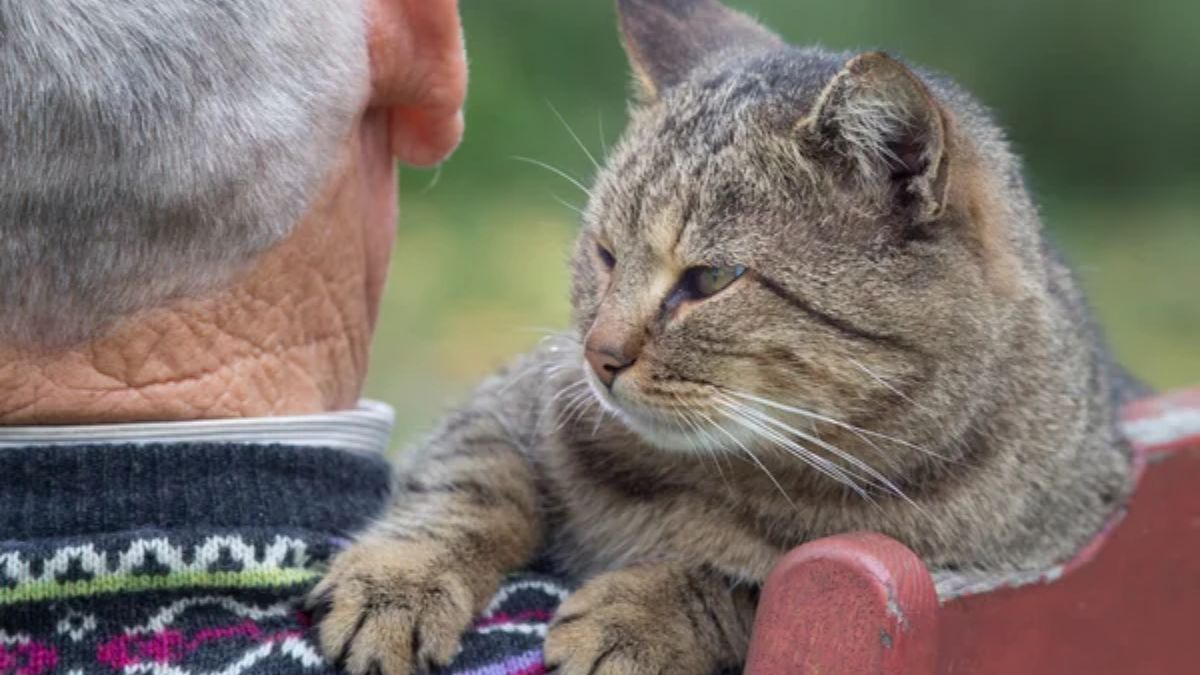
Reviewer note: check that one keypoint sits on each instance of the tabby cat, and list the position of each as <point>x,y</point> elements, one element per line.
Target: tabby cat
<point>811,295</point>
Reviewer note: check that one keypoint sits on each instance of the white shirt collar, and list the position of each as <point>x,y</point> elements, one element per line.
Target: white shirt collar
<point>366,429</point>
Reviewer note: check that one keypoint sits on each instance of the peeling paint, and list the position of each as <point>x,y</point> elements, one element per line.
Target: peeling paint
<point>1166,427</point>
<point>893,607</point>
<point>885,639</point>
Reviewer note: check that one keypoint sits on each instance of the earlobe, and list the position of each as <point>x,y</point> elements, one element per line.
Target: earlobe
<point>878,119</point>
<point>419,74</point>
<point>421,138</point>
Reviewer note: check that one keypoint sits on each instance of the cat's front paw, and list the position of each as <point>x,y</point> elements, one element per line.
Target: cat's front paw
<point>621,624</point>
<point>394,608</point>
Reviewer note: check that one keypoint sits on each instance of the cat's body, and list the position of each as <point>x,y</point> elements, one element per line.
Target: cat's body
<point>811,296</point>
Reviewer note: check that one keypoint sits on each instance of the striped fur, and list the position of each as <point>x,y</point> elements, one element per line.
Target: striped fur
<point>905,355</point>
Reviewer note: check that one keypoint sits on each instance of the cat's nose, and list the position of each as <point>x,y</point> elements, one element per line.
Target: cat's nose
<point>607,361</point>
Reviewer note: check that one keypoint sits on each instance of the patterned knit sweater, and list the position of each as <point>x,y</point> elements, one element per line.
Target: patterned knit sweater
<point>192,558</point>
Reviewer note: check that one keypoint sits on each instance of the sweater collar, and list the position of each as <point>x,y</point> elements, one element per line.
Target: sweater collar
<point>365,430</point>
<point>319,473</point>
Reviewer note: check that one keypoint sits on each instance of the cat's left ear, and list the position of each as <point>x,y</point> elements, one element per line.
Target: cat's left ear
<point>666,39</point>
<point>878,120</point>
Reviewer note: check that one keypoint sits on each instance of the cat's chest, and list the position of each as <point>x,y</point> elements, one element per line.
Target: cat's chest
<point>617,505</point>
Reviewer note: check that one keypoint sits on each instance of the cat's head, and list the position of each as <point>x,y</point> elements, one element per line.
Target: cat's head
<point>785,230</point>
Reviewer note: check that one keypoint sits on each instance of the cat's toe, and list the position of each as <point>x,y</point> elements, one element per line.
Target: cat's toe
<point>591,636</point>
<point>391,608</point>
<point>584,646</point>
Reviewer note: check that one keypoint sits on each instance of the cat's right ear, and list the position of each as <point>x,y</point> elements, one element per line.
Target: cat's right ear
<point>666,39</point>
<point>879,119</point>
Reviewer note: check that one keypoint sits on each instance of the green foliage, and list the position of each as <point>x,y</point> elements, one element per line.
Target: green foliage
<point>1100,99</point>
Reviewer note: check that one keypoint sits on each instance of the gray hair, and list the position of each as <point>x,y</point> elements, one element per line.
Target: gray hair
<point>150,149</point>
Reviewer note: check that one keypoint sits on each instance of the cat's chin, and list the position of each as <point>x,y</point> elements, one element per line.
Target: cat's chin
<point>656,433</point>
<point>660,431</point>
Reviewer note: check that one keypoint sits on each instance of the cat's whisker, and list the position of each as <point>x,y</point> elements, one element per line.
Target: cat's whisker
<point>574,400</point>
<point>956,444</point>
<point>677,420</point>
<point>554,369</point>
<point>884,455</point>
<point>718,456</point>
<point>754,458</point>
<point>889,386</point>
<point>580,411</point>
<point>689,414</point>
<point>862,434</point>
<point>567,204</point>
<point>765,426</point>
<point>574,135</point>
<point>561,414</point>
<point>599,421</point>
<point>681,410</point>
<point>873,474</point>
<point>564,418</point>
<point>575,407</point>
<point>589,404</point>
<point>551,368</point>
<point>708,443</point>
<point>569,362</point>
<point>570,386</point>
<point>792,448</point>
<point>708,451</point>
<point>679,416</point>
<point>812,438</point>
<point>556,171</point>
<point>835,422</point>
<point>879,380</point>
<point>518,378</point>
<point>547,370</point>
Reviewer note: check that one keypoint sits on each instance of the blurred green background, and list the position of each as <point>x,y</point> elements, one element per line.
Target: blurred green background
<point>1101,99</point>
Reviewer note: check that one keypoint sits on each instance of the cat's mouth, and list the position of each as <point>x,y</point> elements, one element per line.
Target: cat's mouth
<point>686,424</point>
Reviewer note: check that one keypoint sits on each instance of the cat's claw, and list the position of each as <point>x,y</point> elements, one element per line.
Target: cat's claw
<point>601,632</point>
<point>391,608</point>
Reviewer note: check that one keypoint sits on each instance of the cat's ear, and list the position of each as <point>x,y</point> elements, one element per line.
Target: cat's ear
<point>877,119</point>
<point>666,39</point>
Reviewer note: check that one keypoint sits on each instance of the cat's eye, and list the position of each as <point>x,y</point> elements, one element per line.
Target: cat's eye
<point>703,282</point>
<point>606,256</point>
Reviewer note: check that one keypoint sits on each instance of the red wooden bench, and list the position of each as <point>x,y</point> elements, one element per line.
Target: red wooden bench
<point>1128,603</point>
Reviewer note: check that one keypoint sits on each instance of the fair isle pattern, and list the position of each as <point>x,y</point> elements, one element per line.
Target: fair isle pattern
<point>164,603</point>
<point>22,655</point>
<point>194,559</point>
<point>221,634</point>
<point>529,663</point>
<point>203,635</point>
<point>152,563</point>
<point>293,648</point>
<point>507,637</point>
<point>133,583</point>
<point>160,646</point>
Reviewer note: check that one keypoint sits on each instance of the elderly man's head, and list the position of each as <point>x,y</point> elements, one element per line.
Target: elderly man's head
<point>197,197</point>
<point>150,150</point>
